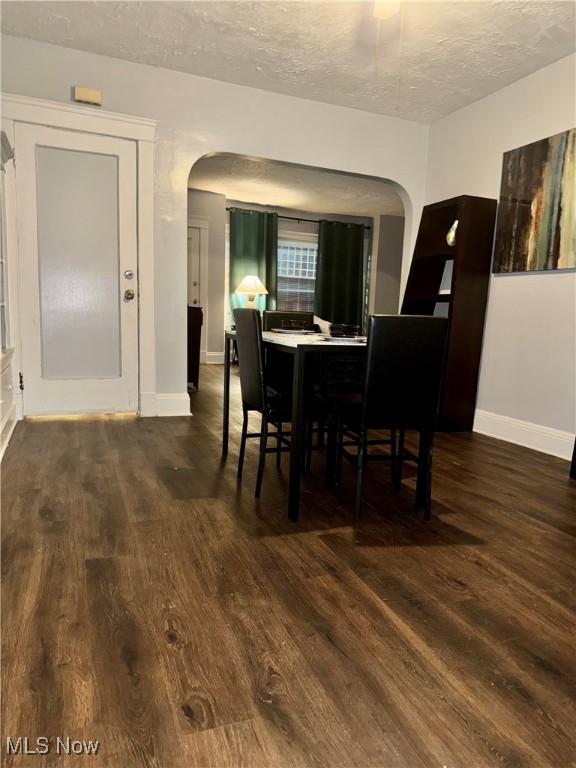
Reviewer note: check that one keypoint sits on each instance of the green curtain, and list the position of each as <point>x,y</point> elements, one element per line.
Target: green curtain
<point>253,251</point>
<point>340,277</point>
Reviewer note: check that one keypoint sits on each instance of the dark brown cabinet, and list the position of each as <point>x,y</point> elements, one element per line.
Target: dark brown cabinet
<point>449,276</point>
<point>195,320</point>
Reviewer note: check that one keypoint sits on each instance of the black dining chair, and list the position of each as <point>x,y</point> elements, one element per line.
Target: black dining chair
<point>274,319</point>
<point>403,378</point>
<point>279,366</point>
<point>274,407</point>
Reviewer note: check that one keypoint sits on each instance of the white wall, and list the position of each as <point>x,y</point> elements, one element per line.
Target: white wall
<point>528,360</point>
<point>212,208</point>
<point>197,116</point>
<point>388,264</point>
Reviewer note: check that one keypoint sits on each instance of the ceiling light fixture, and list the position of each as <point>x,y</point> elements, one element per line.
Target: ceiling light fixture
<point>385,9</point>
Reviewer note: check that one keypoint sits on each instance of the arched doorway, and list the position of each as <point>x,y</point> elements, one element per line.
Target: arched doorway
<point>300,196</point>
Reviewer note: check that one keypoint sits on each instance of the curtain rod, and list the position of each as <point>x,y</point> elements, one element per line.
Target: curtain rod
<point>292,218</point>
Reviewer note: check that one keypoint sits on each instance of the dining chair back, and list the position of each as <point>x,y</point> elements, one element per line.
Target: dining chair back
<point>250,358</point>
<point>278,319</point>
<point>273,409</point>
<point>405,362</point>
<point>258,395</point>
<point>404,370</point>
<point>278,365</point>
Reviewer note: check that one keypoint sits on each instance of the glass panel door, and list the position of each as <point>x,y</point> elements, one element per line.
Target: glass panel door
<point>76,199</point>
<point>77,202</point>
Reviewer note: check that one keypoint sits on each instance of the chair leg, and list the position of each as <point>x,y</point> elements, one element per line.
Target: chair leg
<point>243,444</point>
<point>361,465</point>
<point>393,457</point>
<point>339,450</point>
<point>424,478</point>
<point>332,451</point>
<point>397,452</point>
<point>400,458</point>
<point>309,439</point>
<point>321,434</point>
<point>278,444</point>
<point>263,444</point>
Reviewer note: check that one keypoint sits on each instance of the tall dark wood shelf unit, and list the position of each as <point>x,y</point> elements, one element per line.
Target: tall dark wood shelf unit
<point>462,298</point>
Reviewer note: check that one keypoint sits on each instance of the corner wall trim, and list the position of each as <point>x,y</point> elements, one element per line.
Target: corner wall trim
<point>556,442</point>
<point>12,420</point>
<point>28,109</point>
<point>173,404</point>
<point>148,406</point>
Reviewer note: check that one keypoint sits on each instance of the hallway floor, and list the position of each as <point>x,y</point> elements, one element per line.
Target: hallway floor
<point>150,603</point>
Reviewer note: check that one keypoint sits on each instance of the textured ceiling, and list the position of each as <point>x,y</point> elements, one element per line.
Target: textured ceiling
<point>266,182</point>
<point>423,63</point>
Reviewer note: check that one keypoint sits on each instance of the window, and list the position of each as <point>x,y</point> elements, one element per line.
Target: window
<point>296,275</point>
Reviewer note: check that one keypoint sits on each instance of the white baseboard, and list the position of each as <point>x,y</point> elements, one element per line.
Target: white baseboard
<point>148,405</point>
<point>536,436</point>
<point>214,358</point>
<point>173,404</point>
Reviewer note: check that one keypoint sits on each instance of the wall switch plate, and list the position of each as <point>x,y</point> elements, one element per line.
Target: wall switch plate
<point>87,95</point>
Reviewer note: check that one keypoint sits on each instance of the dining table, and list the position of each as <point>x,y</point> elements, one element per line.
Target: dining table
<point>300,346</point>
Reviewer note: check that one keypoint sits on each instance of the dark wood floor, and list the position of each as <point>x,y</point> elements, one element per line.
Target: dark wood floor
<point>149,602</point>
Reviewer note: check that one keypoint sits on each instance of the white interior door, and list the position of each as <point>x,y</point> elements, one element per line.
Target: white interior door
<point>194,243</point>
<point>198,273</point>
<point>76,197</point>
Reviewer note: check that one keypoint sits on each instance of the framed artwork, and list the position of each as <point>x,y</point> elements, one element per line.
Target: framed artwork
<point>536,222</point>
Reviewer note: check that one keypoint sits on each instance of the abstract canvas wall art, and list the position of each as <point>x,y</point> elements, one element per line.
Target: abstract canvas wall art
<point>536,223</point>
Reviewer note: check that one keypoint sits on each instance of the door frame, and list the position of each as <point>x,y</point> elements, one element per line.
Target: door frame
<point>23,109</point>
<point>197,222</point>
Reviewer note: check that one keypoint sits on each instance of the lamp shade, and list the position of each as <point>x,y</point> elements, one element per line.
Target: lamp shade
<point>251,285</point>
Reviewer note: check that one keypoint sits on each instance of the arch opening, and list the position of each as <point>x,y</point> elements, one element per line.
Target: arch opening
<point>300,195</point>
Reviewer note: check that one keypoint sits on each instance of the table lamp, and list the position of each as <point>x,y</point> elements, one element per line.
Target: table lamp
<point>251,286</point>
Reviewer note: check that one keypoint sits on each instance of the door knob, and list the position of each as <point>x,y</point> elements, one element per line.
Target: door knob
<point>128,274</point>
<point>129,294</point>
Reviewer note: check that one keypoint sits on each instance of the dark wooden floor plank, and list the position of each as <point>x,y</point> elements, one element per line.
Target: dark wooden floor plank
<point>291,701</point>
<point>241,745</point>
<point>199,655</point>
<point>150,602</point>
<point>133,716</point>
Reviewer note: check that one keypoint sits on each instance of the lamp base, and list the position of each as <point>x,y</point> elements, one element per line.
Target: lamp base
<point>250,302</point>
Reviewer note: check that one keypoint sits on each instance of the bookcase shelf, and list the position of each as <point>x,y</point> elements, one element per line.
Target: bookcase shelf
<point>437,253</point>
<point>471,257</point>
<point>418,300</point>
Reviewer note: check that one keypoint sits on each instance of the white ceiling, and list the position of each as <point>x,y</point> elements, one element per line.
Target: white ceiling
<point>301,188</point>
<point>425,62</point>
